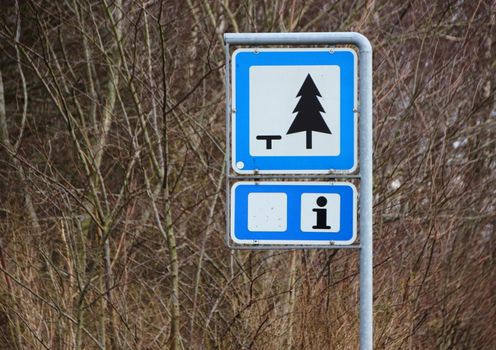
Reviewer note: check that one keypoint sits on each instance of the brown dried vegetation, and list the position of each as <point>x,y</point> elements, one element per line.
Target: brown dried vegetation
<point>111,184</point>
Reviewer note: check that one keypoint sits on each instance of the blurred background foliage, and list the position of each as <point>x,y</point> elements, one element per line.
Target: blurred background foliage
<point>112,195</point>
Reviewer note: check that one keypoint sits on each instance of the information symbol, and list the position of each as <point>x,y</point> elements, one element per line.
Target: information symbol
<point>321,214</point>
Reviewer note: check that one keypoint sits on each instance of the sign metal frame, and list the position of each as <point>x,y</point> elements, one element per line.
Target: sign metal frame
<point>365,154</point>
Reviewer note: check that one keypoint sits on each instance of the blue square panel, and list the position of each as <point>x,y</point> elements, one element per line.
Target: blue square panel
<point>289,213</point>
<point>293,111</point>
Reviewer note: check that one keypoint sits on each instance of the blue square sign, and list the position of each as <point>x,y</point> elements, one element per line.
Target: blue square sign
<point>293,111</point>
<point>314,213</point>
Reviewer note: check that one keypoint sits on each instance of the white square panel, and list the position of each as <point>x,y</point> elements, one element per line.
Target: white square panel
<point>267,212</point>
<point>273,97</point>
<point>320,212</point>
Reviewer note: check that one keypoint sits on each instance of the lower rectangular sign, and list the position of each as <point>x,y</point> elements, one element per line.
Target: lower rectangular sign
<point>316,213</point>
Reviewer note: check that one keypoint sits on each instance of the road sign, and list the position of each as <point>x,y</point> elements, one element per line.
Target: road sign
<point>317,213</point>
<point>294,110</point>
<point>261,144</point>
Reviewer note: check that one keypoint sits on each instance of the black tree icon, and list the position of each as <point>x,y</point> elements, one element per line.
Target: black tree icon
<point>308,118</point>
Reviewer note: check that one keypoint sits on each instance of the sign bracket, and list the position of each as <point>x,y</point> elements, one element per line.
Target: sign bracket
<point>323,177</point>
<point>290,247</point>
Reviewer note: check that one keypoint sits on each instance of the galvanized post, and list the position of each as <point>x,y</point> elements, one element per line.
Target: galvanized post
<point>366,183</point>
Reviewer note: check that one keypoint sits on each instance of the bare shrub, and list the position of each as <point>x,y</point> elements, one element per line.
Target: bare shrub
<point>112,153</point>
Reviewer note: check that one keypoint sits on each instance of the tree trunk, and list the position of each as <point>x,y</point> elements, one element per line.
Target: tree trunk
<point>309,139</point>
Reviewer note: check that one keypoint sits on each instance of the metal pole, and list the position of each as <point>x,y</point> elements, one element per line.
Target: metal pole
<point>366,222</point>
<point>366,183</point>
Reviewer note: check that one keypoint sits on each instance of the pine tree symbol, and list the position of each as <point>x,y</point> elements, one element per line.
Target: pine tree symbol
<point>309,108</point>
